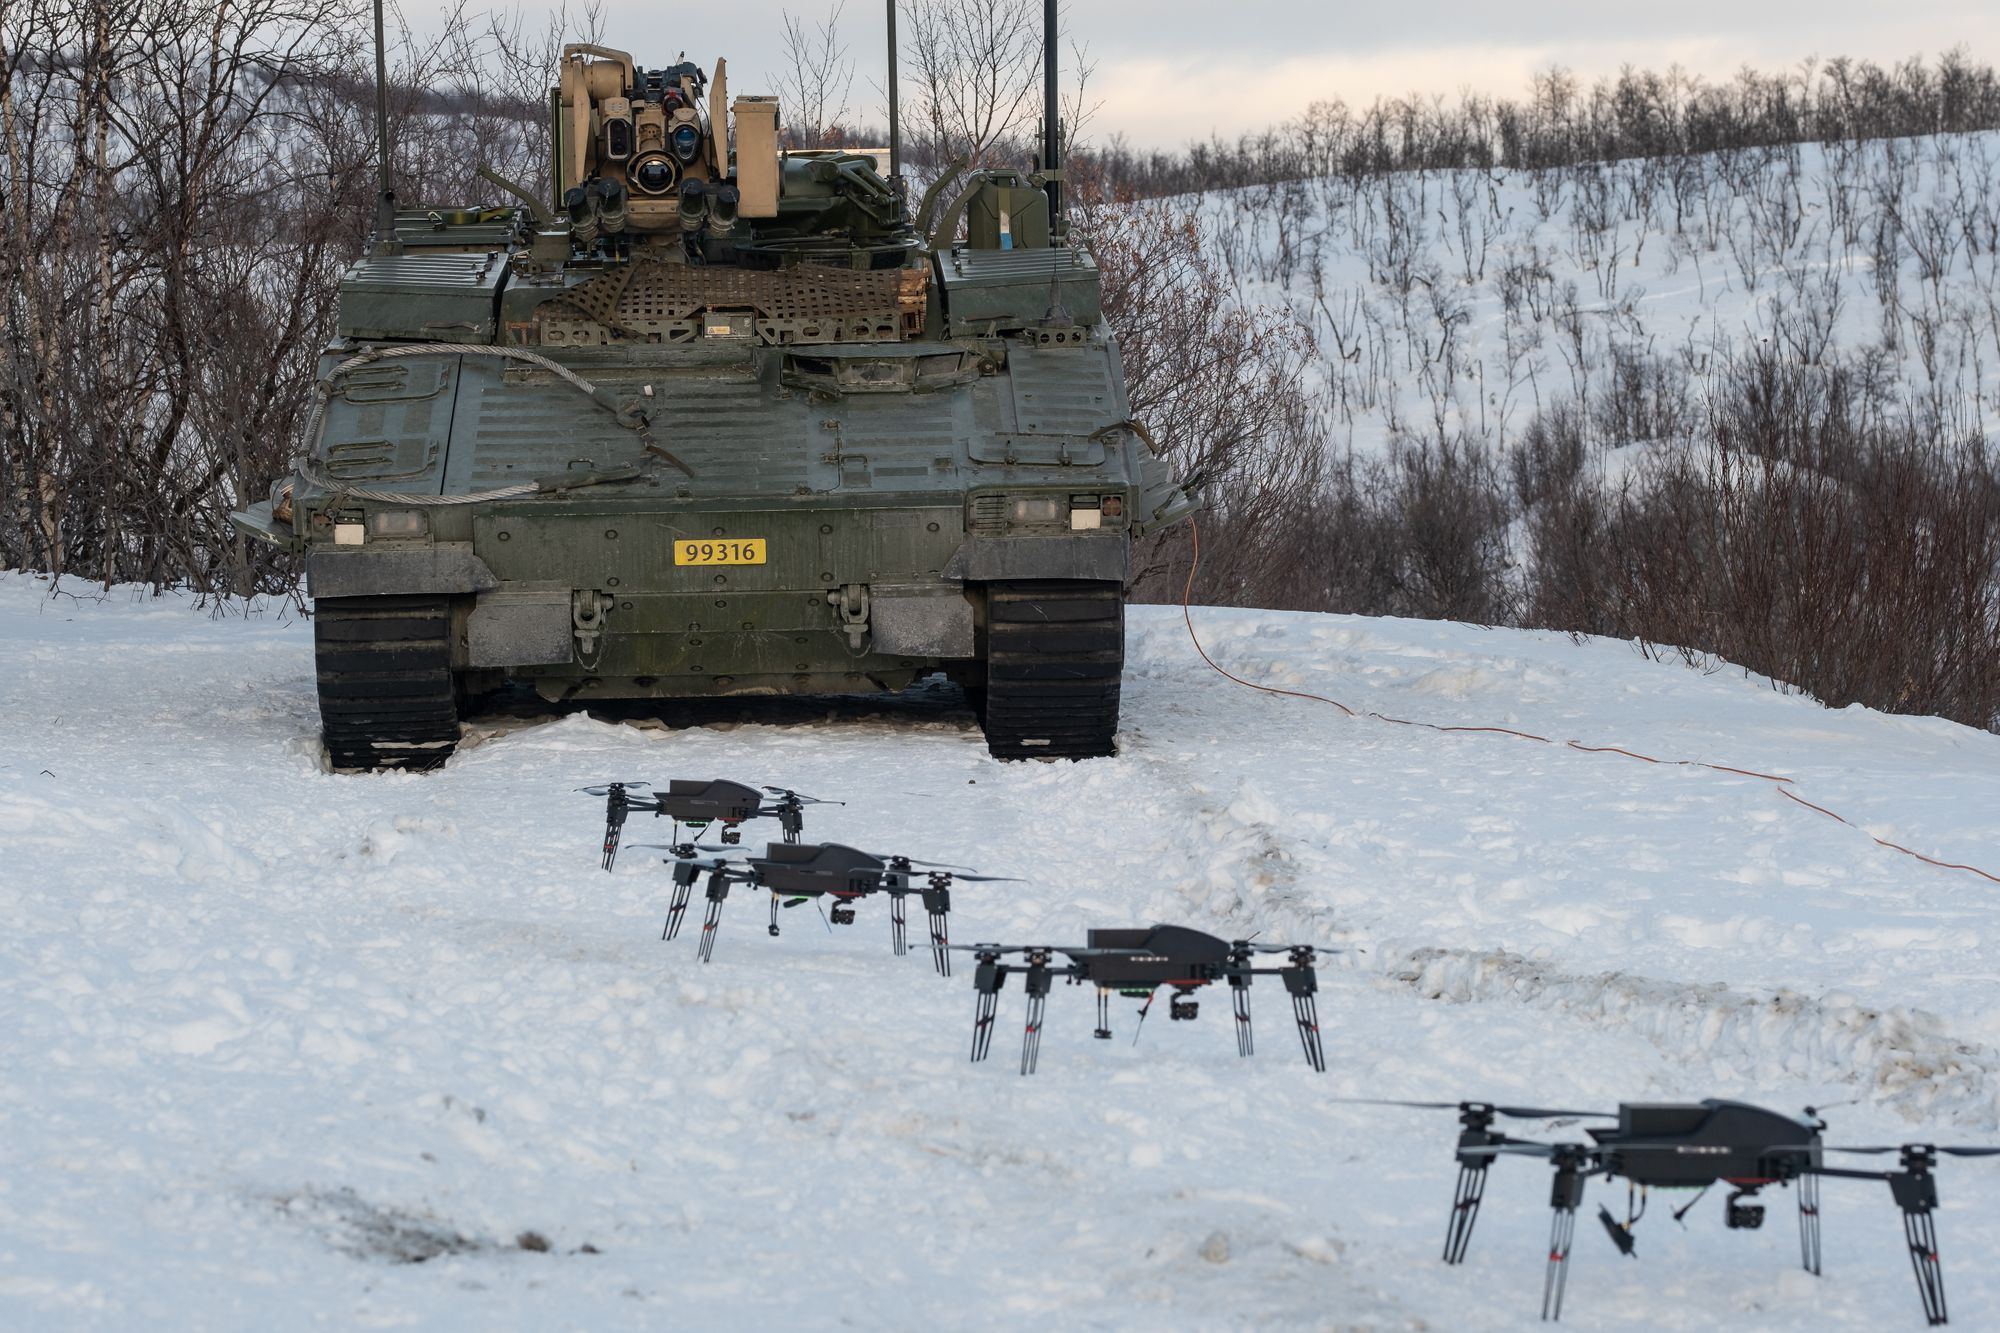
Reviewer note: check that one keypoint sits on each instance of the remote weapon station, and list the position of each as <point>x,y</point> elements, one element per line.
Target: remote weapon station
<point>719,418</point>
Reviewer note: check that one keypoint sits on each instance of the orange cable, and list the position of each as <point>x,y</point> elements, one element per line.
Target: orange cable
<point>1783,784</point>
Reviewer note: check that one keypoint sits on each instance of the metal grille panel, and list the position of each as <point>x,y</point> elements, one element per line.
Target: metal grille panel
<point>648,301</point>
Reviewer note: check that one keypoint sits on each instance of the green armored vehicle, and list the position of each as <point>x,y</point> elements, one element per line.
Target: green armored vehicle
<point>718,420</point>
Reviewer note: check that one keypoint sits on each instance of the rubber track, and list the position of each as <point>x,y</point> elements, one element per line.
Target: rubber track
<point>1055,654</point>
<point>385,687</point>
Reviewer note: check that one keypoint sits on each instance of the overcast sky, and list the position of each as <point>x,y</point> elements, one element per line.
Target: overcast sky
<point>1172,70</point>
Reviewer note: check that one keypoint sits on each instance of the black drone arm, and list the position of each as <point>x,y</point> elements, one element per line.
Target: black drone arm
<point>937,907</point>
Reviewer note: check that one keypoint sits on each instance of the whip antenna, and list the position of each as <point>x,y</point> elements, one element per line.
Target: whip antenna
<point>385,204</point>
<point>895,121</point>
<point>1051,119</point>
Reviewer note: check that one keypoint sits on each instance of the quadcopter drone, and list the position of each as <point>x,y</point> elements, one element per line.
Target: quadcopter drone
<point>797,873</point>
<point>699,804</point>
<point>1137,963</point>
<point>1692,1146</point>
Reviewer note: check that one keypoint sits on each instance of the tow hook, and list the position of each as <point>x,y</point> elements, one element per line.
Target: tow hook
<point>587,610</point>
<point>851,600</point>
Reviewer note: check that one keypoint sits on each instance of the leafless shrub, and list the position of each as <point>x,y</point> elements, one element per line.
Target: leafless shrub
<point>1672,116</point>
<point>1222,387</point>
<point>1802,529</point>
<point>184,185</point>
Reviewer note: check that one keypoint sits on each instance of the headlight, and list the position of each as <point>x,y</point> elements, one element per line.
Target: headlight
<point>1038,509</point>
<point>397,523</point>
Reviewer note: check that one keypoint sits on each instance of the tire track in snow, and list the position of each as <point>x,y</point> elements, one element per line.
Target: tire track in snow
<point>1901,1058</point>
<point>1251,874</point>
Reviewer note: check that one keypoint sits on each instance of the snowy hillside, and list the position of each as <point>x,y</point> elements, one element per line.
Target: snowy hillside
<point>1464,301</point>
<point>268,1031</point>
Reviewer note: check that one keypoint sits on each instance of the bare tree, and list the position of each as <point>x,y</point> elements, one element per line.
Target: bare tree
<point>817,77</point>
<point>184,186</point>
<point>976,70</point>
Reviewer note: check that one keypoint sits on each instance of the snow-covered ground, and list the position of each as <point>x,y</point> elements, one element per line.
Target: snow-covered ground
<point>1466,301</point>
<point>265,1031</point>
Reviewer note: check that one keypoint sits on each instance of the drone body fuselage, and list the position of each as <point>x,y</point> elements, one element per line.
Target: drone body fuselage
<point>1138,963</point>
<point>1681,1145</point>
<point>810,870</point>
<point>1147,959</point>
<point>689,802</point>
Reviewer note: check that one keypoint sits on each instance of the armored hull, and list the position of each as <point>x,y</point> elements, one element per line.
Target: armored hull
<point>810,458</point>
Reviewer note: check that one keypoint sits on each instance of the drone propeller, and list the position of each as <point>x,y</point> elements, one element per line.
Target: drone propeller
<point>1047,948</point>
<point>681,858</point>
<point>697,846</point>
<point>604,788</point>
<point>1513,1112</point>
<point>964,872</point>
<point>1949,1150</point>
<point>984,879</point>
<point>791,795</point>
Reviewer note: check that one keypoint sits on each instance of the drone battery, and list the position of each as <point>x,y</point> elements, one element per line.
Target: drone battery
<point>1659,1120</point>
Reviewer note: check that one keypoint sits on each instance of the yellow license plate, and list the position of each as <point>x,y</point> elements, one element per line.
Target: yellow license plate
<point>720,551</point>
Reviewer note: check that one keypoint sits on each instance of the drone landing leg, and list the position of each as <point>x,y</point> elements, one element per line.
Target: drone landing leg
<point>1915,1191</point>
<point>774,914</point>
<point>716,893</point>
<point>988,982</point>
<point>615,805</point>
<point>1239,988</point>
<point>1920,1231</point>
<point>1564,1197</point>
<point>939,903</point>
<point>1561,1233</point>
<point>1809,1223</point>
<point>676,909</point>
<point>1036,982</point>
<point>1306,1010</point>
<point>1300,983</point>
<point>1103,1032</point>
<point>1464,1211</point>
<point>1031,1035</point>
<point>899,934</point>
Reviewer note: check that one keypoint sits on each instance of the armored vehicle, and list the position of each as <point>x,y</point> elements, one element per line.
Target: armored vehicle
<point>716,419</point>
